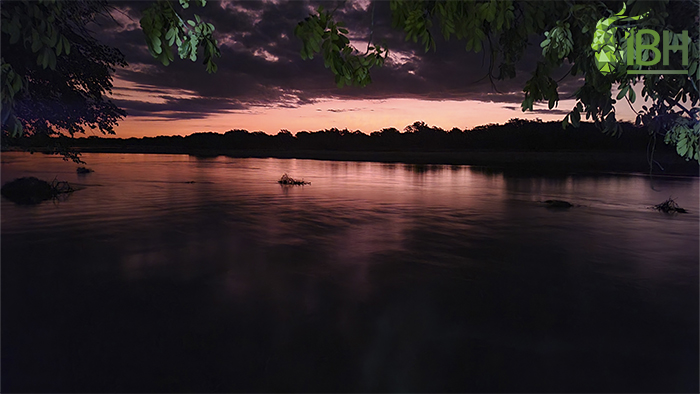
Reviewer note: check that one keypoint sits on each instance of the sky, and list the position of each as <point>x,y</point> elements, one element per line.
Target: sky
<point>263,84</point>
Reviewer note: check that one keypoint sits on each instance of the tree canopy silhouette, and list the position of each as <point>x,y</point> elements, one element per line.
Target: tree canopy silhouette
<point>514,135</point>
<point>55,74</point>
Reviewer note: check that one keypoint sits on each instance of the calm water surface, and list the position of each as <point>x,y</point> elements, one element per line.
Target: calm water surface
<point>176,273</point>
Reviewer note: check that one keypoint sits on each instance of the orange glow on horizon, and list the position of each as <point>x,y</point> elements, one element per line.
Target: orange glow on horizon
<point>364,115</point>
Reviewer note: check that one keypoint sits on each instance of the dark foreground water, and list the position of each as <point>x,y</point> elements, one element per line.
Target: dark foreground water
<point>376,277</point>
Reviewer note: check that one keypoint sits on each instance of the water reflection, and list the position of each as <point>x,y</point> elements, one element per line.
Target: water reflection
<point>376,277</point>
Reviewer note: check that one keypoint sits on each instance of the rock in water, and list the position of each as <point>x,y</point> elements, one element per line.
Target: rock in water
<point>558,204</point>
<point>28,190</point>
<point>287,180</point>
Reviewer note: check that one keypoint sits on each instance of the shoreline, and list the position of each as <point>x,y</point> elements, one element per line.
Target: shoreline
<point>525,162</point>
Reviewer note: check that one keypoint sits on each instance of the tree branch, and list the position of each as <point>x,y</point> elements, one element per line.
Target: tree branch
<point>630,104</point>
<point>371,29</point>
<point>674,102</point>
<point>491,61</point>
<point>186,28</point>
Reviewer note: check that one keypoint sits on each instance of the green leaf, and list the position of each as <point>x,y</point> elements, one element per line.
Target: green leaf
<point>575,118</point>
<point>17,83</point>
<point>36,42</point>
<point>44,59</point>
<point>315,45</point>
<point>59,47</point>
<point>477,46</point>
<point>52,58</point>
<point>14,32</point>
<point>623,92</point>
<point>54,38</point>
<point>191,23</point>
<point>156,45</point>
<point>682,142</point>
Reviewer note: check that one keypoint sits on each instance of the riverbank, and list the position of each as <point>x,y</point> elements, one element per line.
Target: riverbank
<point>508,161</point>
<point>514,162</point>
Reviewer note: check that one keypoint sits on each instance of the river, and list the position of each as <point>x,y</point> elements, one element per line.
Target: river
<point>183,274</point>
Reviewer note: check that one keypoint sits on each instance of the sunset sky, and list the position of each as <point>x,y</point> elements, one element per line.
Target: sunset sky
<point>263,84</point>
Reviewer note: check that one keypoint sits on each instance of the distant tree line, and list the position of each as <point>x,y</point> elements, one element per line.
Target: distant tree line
<point>515,135</point>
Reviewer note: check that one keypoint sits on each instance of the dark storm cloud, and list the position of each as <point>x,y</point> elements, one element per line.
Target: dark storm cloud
<point>173,108</point>
<point>261,66</point>
<point>553,111</point>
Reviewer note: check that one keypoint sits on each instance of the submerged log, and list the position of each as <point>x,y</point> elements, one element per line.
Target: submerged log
<point>669,206</point>
<point>31,190</point>
<point>287,180</point>
<point>558,204</point>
